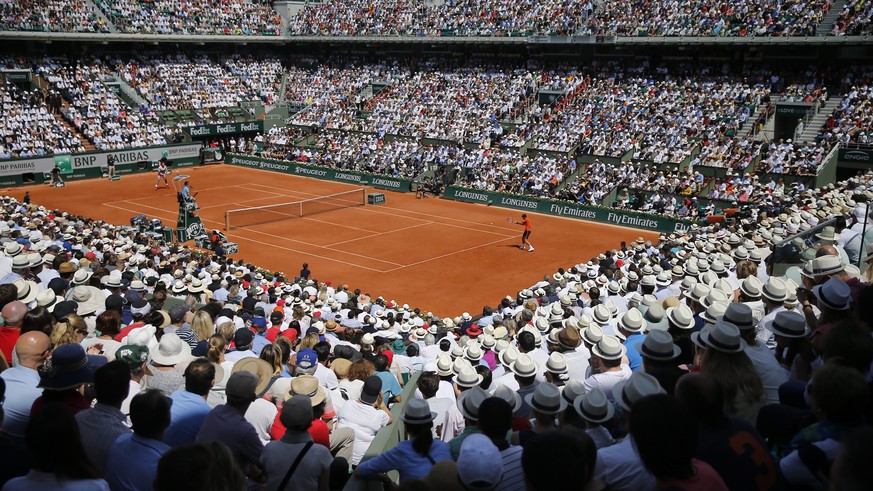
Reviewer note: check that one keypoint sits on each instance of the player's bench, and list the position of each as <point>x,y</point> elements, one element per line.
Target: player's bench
<point>375,199</point>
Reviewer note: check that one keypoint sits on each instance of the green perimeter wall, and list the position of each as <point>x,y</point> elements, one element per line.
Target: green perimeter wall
<point>89,165</point>
<point>318,172</point>
<point>642,221</point>
<point>612,216</point>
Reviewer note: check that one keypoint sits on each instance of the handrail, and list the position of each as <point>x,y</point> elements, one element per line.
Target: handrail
<point>827,158</point>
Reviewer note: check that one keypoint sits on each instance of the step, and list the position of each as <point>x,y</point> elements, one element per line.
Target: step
<point>102,15</point>
<point>827,22</point>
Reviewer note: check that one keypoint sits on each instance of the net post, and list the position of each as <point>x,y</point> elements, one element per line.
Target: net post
<point>227,220</point>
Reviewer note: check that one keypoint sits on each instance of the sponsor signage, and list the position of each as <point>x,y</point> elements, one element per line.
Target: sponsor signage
<point>225,129</point>
<point>73,165</point>
<point>855,155</point>
<point>305,170</point>
<point>571,210</point>
<point>17,75</point>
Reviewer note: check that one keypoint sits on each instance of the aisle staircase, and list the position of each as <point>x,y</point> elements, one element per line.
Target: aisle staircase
<point>102,15</point>
<point>65,104</point>
<point>827,22</point>
<point>811,130</point>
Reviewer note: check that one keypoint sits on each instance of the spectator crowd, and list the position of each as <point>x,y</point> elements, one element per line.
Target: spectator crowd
<point>126,360</point>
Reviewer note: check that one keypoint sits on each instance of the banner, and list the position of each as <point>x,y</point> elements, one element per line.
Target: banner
<point>612,216</point>
<point>70,164</point>
<point>17,75</point>
<point>326,173</point>
<point>855,155</point>
<point>225,129</point>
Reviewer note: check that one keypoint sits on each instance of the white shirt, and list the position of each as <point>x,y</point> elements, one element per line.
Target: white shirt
<point>577,362</point>
<point>366,421</point>
<point>453,423</point>
<point>326,377</point>
<point>261,414</point>
<point>619,467</point>
<point>772,375</point>
<point>606,381</point>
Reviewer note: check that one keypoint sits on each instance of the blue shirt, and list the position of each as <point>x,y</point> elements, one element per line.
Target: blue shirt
<point>186,191</point>
<point>100,427</point>
<point>633,355</point>
<point>186,417</point>
<point>133,463</point>
<point>403,458</point>
<point>21,391</point>
<point>226,425</point>
<point>390,386</point>
<point>259,344</point>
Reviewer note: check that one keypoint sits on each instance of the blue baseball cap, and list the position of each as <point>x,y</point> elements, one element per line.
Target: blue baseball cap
<point>307,359</point>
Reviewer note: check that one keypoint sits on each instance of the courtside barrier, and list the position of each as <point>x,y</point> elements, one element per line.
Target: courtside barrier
<point>613,216</point>
<point>326,173</point>
<point>89,165</point>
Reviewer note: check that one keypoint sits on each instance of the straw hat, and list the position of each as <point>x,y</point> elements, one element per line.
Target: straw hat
<point>546,399</point>
<point>508,395</point>
<point>171,350</point>
<point>627,392</point>
<point>418,412</point>
<point>594,406</point>
<point>556,363</point>
<point>788,324</point>
<point>681,316</point>
<point>632,321</point>
<point>658,345</point>
<point>609,348</point>
<point>722,336</point>
<point>524,366</point>
<point>468,377</point>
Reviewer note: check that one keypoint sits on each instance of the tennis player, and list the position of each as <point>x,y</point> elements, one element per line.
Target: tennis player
<point>162,173</point>
<point>525,221</point>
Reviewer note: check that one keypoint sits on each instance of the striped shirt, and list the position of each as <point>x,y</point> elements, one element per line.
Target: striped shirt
<point>513,475</point>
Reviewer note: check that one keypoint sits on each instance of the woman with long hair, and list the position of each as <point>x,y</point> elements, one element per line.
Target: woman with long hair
<point>412,458</point>
<point>272,354</point>
<point>217,345</point>
<point>59,460</point>
<point>202,325</point>
<point>69,330</point>
<point>724,358</point>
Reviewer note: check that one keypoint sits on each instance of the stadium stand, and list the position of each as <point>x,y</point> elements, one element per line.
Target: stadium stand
<point>50,15</point>
<point>749,322</point>
<point>30,127</point>
<point>224,17</point>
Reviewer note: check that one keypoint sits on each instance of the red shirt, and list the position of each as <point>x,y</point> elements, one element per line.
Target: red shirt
<point>526,223</point>
<point>272,333</point>
<point>318,431</point>
<point>8,338</point>
<point>124,332</point>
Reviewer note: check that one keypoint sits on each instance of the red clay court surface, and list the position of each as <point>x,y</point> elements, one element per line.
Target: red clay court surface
<point>442,256</point>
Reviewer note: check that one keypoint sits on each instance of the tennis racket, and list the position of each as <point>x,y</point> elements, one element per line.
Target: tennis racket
<point>510,220</point>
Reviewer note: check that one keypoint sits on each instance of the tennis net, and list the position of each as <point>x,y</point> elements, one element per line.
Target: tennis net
<point>257,215</point>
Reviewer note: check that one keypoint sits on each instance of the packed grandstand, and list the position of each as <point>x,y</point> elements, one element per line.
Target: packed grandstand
<point>734,352</point>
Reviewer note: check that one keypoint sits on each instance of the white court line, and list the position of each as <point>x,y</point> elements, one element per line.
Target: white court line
<point>161,195</point>
<point>380,233</point>
<point>278,237</point>
<point>450,254</point>
<point>396,215</point>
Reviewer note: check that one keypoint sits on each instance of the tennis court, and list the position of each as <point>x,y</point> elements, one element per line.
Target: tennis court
<point>440,255</point>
